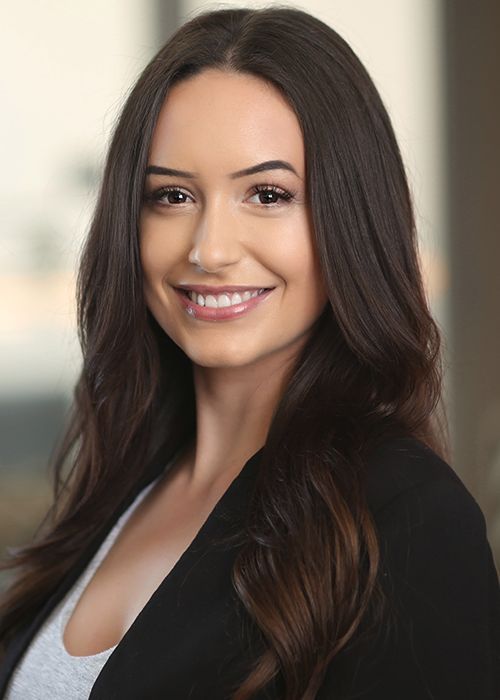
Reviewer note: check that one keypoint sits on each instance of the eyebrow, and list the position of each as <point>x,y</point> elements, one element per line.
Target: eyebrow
<point>258,168</point>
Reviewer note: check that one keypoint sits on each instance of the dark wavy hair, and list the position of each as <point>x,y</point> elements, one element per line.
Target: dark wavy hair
<point>371,367</point>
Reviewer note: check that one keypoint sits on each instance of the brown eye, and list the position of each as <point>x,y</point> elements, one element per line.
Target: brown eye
<point>175,196</point>
<point>168,196</point>
<point>271,194</point>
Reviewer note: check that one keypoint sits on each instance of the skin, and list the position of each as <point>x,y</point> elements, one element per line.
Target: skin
<point>214,124</point>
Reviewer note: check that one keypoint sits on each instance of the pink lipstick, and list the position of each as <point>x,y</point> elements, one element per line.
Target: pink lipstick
<point>205,313</point>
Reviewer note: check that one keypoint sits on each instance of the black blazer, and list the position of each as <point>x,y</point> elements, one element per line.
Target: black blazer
<point>186,644</point>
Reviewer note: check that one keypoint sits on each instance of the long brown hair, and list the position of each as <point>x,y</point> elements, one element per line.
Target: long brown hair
<point>371,367</point>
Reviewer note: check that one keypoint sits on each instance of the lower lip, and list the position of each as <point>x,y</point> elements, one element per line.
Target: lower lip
<point>205,313</point>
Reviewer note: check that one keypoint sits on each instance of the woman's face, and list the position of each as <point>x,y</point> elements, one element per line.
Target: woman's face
<point>215,225</point>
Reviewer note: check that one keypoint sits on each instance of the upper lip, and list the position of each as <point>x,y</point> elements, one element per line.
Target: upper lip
<point>204,289</point>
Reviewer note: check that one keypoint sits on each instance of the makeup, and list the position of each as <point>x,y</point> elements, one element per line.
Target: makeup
<point>226,313</point>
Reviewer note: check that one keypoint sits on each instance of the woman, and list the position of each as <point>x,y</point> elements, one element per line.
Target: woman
<point>252,497</point>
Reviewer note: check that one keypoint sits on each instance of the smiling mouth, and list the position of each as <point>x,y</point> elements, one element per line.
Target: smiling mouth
<point>244,296</point>
<point>213,312</point>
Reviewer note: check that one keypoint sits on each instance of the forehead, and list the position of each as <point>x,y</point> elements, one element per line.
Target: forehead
<point>227,120</point>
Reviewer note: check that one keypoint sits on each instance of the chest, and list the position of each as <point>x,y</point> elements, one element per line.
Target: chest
<point>148,547</point>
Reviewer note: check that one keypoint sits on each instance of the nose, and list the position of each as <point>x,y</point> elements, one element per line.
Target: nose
<point>215,241</point>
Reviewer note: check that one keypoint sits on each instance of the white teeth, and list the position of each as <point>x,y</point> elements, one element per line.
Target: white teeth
<point>211,301</point>
<point>222,300</point>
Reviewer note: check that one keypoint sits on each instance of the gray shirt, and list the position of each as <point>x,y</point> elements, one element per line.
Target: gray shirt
<point>46,669</point>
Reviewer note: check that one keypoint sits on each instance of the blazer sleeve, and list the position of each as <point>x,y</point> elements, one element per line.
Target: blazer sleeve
<point>438,571</point>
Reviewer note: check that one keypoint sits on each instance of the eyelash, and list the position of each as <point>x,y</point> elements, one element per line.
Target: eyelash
<point>284,195</point>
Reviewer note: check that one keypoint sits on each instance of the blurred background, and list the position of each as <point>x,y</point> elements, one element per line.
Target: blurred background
<point>66,70</point>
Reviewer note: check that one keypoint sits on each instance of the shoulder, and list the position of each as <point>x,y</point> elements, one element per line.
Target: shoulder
<point>403,474</point>
<point>425,515</point>
<point>411,489</point>
<point>434,549</point>
<point>436,561</point>
<point>437,569</point>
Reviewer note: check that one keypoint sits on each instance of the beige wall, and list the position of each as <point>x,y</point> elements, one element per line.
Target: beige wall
<point>65,69</point>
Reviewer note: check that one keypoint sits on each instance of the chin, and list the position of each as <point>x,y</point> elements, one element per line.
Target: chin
<point>221,360</point>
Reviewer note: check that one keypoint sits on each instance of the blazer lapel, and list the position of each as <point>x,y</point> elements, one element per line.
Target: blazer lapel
<point>186,641</point>
<point>194,608</point>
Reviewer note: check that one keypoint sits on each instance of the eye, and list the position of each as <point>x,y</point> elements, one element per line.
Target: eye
<point>168,195</point>
<point>271,194</point>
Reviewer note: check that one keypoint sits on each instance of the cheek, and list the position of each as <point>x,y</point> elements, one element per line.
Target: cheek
<point>292,256</point>
<point>156,256</point>
<point>153,259</point>
<point>152,266</point>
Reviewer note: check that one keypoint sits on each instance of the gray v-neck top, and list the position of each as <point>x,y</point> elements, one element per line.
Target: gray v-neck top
<point>47,670</point>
